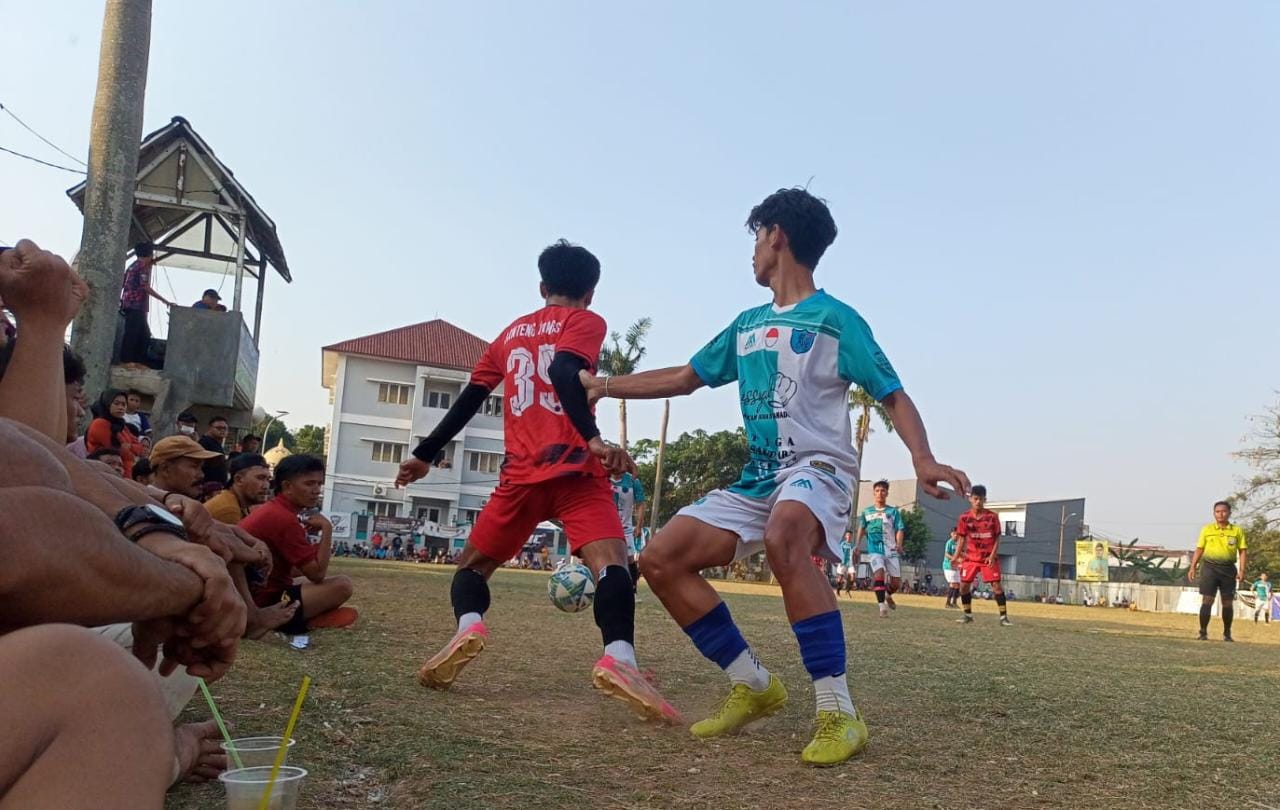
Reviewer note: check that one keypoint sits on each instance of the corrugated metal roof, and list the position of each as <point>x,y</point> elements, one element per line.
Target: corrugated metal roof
<point>431,343</point>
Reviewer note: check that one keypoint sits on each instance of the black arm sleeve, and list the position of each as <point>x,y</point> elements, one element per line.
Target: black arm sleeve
<point>468,402</point>
<point>573,397</point>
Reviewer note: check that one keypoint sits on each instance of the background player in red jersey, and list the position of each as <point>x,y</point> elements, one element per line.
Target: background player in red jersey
<point>556,467</point>
<point>978,531</point>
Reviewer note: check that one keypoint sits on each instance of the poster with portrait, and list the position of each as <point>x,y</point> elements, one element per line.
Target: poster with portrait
<point>1091,560</point>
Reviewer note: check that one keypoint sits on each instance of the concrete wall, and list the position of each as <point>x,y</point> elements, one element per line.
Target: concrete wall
<point>360,387</point>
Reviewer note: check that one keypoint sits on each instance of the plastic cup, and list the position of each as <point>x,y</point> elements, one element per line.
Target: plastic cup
<point>245,787</point>
<point>258,751</point>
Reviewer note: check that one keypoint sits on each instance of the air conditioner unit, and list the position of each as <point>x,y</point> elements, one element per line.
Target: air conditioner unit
<point>379,489</point>
<point>484,501</point>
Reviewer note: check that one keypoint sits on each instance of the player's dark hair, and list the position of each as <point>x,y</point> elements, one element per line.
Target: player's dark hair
<point>804,218</point>
<point>144,250</point>
<point>293,467</point>
<point>1223,503</point>
<point>141,468</point>
<point>881,483</point>
<point>215,420</point>
<point>979,490</point>
<point>569,270</point>
<point>245,461</point>
<point>73,370</point>
<point>250,437</point>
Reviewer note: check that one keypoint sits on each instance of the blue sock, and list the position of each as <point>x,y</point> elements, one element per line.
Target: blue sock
<point>821,640</point>
<point>717,637</point>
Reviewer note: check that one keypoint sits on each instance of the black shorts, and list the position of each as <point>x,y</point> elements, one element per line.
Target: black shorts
<point>1218,578</point>
<point>297,625</point>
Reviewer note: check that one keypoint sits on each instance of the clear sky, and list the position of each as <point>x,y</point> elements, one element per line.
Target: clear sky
<point>1061,220</point>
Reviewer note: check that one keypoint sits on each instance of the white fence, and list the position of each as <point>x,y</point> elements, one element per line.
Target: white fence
<point>1155,598</point>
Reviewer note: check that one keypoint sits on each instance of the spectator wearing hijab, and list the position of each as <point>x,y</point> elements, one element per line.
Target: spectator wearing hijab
<point>109,430</point>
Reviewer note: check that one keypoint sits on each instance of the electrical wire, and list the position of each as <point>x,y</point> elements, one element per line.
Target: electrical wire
<point>57,148</point>
<point>41,162</point>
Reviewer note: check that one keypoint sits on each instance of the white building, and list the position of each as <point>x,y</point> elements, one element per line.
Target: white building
<point>388,391</point>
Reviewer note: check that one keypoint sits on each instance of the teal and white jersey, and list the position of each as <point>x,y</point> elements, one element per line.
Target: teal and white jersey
<point>882,527</point>
<point>846,553</point>
<point>794,366</point>
<point>948,552</point>
<point>627,492</point>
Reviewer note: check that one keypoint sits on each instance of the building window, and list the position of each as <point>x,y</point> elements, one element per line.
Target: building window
<point>437,399</point>
<point>446,462</point>
<point>383,508</point>
<point>392,452</point>
<point>492,406</point>
<point>1011,528</point>
<point>469,515</point>
<point>484,462</point>
<point>394,394</point>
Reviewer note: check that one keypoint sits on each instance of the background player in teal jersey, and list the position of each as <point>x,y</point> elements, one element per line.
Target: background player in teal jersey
<point>794,360</point>
<point>847,568</point>
<point>884,530</point>
<point>950,572</point>
<point>1262,590</point>
<point>628,496</point>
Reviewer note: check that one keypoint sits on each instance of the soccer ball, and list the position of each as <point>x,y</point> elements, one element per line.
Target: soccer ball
<point>572,588</point>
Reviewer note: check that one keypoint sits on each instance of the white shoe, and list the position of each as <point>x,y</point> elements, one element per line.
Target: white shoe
<point>884,610</point>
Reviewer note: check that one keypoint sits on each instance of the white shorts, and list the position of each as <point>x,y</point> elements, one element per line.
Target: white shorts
<point>889,564</point>
<point>952,575</point>
<point>746,517</point>
<point>841,570</point>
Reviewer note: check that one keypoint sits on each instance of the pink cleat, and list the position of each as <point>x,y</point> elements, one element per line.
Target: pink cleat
<point>442,668</point>
<point>626,683</point>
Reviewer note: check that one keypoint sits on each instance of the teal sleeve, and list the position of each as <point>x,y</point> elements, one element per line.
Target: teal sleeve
<point>717,363</point>
<point>639,491</point>
<point>862,362</point>
<point>899,524</point>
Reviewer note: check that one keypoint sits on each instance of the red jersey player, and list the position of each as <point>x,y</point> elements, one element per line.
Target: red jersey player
<point>978,532</point>
<point>556,468</point>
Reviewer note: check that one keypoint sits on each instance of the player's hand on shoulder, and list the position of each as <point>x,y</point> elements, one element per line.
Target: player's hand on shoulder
<point>931,473</point>
<point>411,471</point>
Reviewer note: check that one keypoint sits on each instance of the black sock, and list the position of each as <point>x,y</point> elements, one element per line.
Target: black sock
<point>967,600</point>
<point>633,568</point>
<point>879,589</point>
<point>615,606</point>
<point>1000,601</point>
<point>1228,615</point>
<point>1205,610</point>
<point>470,593</point>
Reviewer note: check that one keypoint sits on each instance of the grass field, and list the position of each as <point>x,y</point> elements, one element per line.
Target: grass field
<point>1078,707</point>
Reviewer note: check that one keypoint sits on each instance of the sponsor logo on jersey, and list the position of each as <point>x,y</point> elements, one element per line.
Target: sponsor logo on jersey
<point>771,337</point>
<point>802,340</point>
<point>803,483</point>
<point>824,466</point>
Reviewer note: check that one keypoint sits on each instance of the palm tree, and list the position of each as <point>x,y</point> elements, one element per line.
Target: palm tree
<point>623,357</point>
<point>864,405</point>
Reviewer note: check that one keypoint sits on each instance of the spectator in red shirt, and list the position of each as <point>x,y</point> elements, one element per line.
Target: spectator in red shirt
<point>109,430</point>
<point>280,524</point>
<point>135,300</point>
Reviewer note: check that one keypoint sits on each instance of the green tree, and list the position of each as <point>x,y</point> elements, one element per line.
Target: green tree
<point>275,431</point>
<point>916,537</point>
<point>310,440</point>
<point>864,406</point>
<point>693,465</point>
<point>623,357</point>
<point>1264,549</point>
<point>1260,496</point>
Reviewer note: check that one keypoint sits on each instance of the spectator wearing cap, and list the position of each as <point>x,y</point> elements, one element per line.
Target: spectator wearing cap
<point>187,424</point>
<point>209,300</point>
<point>177,465</point>
<point>109,430</point>
<point>250,486</point>
<point>135,302</point>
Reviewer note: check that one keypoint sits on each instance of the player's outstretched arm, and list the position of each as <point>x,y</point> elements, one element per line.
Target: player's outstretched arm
<point>455,419</point>
<point>908,424</point>
<point>564,372</point>
<point>675,381</point>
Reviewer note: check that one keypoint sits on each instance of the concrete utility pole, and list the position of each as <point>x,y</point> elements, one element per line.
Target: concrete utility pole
<point>113,167</point>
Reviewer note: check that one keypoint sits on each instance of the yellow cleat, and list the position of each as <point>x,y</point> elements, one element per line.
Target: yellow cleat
<point>742,706</point>
<point>838,737</point>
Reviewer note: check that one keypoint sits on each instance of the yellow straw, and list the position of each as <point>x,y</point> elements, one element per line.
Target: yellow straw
<point>284,743</point>
<point>231,747</point>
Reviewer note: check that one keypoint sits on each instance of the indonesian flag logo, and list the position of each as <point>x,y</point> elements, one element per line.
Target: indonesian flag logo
<point>771,337</point>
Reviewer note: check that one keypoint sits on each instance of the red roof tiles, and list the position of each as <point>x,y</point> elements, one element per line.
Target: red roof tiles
<point>433,343</point>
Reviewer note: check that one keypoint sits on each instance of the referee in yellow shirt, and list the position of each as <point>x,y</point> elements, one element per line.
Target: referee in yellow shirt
<point>1221,548</point>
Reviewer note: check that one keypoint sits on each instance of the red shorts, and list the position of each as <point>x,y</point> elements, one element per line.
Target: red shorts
<point>584,505</point>
<point>971,568</point>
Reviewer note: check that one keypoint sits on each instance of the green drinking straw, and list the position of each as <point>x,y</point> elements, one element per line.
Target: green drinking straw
<point>284,743</point>
<point>217,718</point>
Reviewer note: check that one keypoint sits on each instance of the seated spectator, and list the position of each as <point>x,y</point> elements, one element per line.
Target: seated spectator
<point>250,444</point>
<point>215,469</point>
<point>134,417</point>
<point>141,471</point>
<point>250,487</point>
<point>110,456</point>
<point>187,424</point>
<point>108,429</point>
<point>298,482</point>
<point>209,300</point>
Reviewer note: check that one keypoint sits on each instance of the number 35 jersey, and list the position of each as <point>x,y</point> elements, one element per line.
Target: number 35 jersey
<point>541,441</point>
<point>794,366</point>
